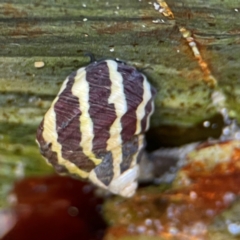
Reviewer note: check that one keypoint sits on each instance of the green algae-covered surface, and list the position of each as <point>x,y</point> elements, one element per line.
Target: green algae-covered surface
<point>60,33</point>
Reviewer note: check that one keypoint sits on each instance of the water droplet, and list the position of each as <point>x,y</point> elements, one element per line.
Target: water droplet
<point>111,49</point>
<point>156,6</point>
<point>73,211</point>
<point>237,135</point>
<point>148,222</point>
<point>226,131</point>
<point>33,99</point>
<point>156,21</point>
<point>210,212</point>
<point>193,195</point>
<point>141,229</point>
<point>192,44</point>
<point>229,197</point>
<point>234,228</point>
<point>206,124</point>
<point>173,230</point>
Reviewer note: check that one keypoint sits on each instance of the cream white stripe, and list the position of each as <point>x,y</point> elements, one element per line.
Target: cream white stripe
<point>149,115</point>
<point>117,97</point>
<point>141,107</point>
<point>80,89</point>
<point>50,136</point>
<point>140,146</point>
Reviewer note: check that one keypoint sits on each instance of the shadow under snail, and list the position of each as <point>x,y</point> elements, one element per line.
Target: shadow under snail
<point>95,126</point>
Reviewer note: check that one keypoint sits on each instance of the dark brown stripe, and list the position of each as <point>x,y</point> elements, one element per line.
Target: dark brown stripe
<point>133,90</point>
<point>101,112</point>
<point>153,91</point>
<point>39,133</point>
<point>67,126</point>
<point>128,150</point>
<point>104,170</point>
<point>45,150</point>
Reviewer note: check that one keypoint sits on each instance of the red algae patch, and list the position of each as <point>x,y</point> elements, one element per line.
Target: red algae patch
<point>202,190</point>
<point>55,208</point>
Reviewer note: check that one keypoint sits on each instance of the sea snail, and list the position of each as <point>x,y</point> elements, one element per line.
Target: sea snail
<point>95,126</point>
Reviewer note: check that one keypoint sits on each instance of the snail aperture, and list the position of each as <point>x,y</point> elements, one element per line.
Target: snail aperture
<point>95,126</point>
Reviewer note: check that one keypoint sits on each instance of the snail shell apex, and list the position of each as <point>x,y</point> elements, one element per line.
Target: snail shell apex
<point>95,126</point>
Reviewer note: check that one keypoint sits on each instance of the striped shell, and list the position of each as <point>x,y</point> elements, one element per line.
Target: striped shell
<point>94,127</point>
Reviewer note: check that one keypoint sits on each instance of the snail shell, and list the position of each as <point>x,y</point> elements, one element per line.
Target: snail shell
<point>95,125</point>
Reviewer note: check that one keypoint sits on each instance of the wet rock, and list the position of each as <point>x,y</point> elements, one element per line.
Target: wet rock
<point>205,187</point>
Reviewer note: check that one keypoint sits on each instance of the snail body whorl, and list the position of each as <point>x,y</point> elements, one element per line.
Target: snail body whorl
<point>94,127</point>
